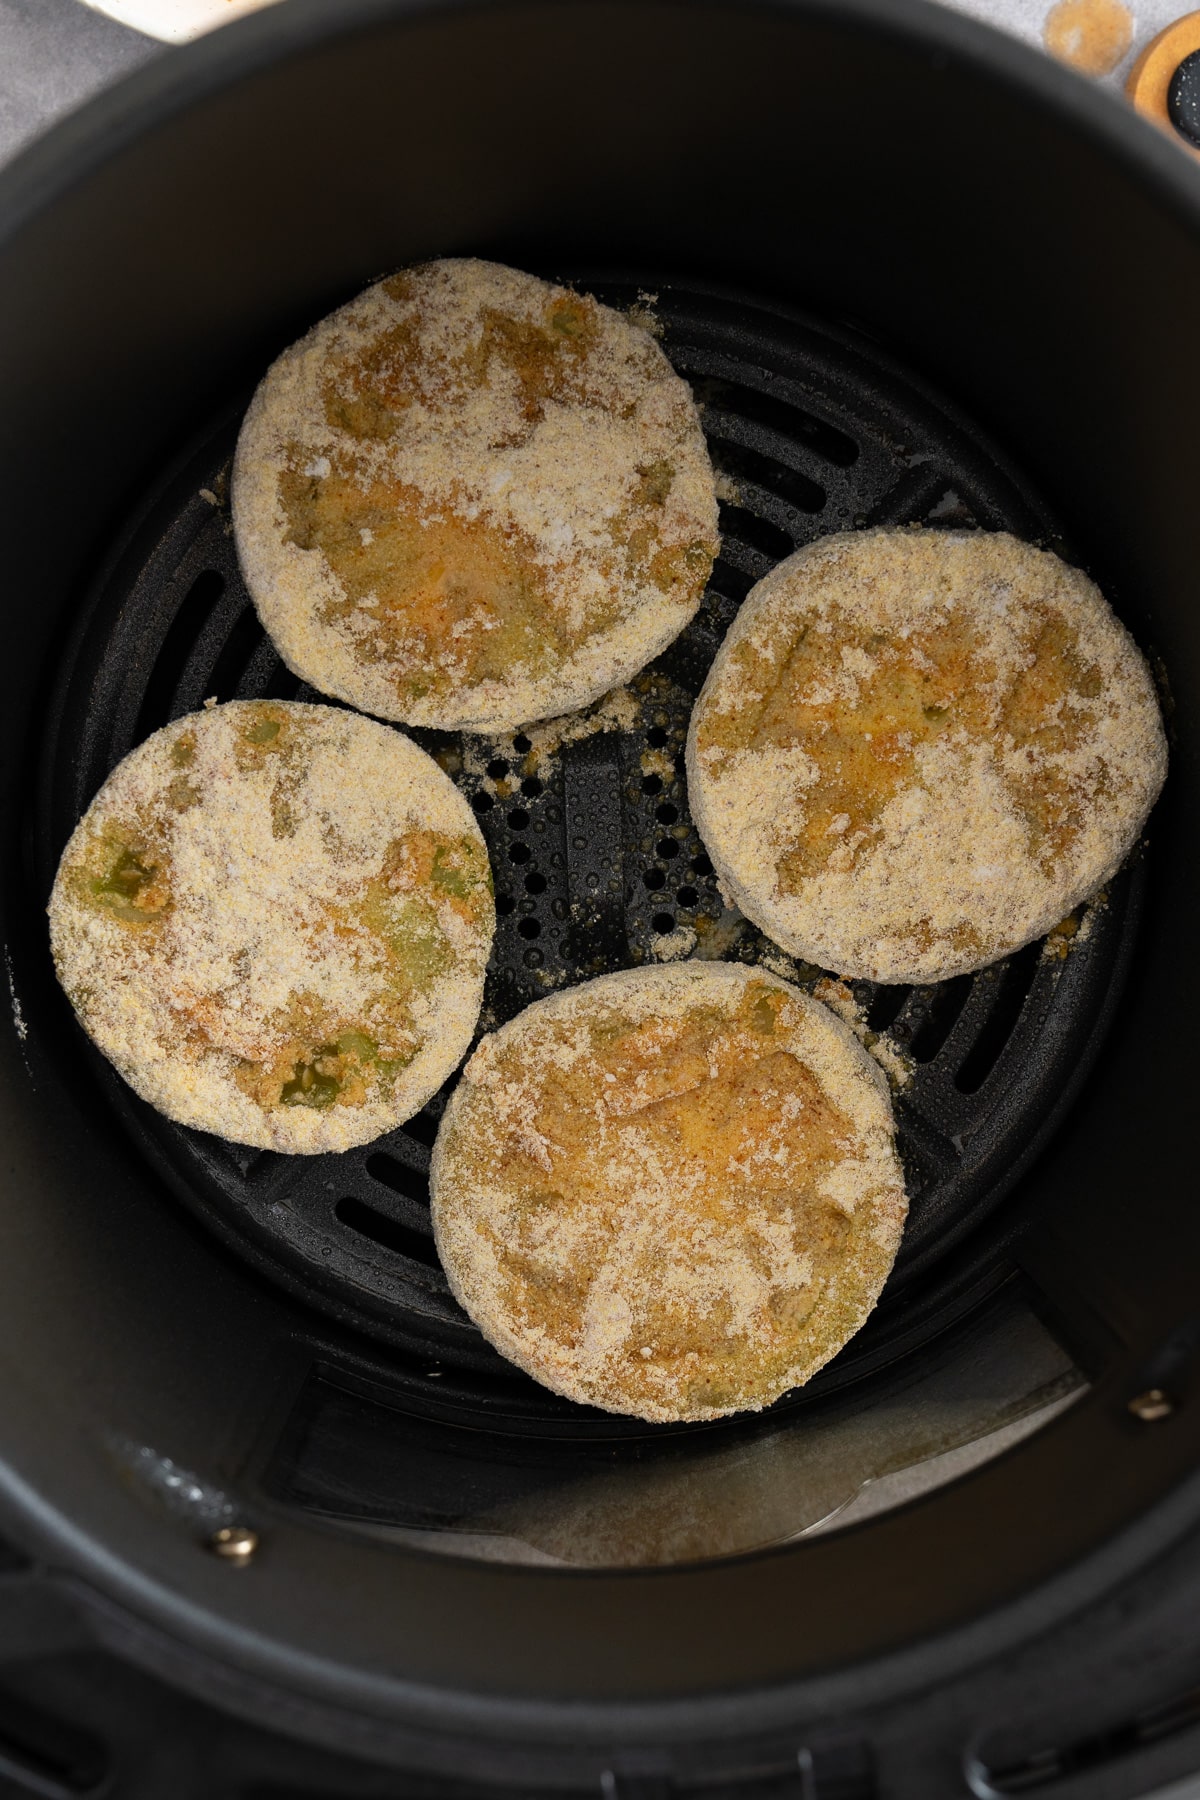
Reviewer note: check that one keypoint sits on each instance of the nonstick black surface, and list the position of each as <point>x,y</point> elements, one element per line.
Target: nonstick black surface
<point>596,860</point>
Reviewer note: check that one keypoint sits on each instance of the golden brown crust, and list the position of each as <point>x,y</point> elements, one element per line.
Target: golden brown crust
<point>918,750</point>
<point>670,1192</point>
<point>470,499</point>
<point>274,920</point>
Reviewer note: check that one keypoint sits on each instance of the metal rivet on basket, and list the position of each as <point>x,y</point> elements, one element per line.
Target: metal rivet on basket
<point>1152,1405</point>
<point>234,1544</point>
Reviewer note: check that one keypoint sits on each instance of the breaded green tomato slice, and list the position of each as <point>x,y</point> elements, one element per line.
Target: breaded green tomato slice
<point>273,920</point>
<point>671,1192</point>
<point>470,498</point>
<point>918,750</point>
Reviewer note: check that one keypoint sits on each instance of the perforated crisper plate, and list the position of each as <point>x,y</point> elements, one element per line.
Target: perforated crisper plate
<point>597,864</point>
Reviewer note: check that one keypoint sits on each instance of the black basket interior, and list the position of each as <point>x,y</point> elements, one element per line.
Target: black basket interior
<point>597,863</point>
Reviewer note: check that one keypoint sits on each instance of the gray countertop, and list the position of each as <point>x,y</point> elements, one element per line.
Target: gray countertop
<point>53,55</point>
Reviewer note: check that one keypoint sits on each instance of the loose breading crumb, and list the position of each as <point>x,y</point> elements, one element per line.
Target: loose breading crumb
<point>896,1065</point>
<point>18,1016</point>
<point>716,938</point>
<point>918,750</point>
<point>658,762</point>
<point>670,1192</point>
<point>618,711</point>
<point>839,998</point>
<point>471,499</point>
<point>643,315</point>
<point>771,957</point>
<point>274,920</point>
<point>672,946</point>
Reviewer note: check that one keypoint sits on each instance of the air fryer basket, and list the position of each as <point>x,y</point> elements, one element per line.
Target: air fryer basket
<point>913,275</point>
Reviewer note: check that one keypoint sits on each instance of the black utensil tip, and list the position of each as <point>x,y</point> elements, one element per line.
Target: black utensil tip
<point>1183,99</point>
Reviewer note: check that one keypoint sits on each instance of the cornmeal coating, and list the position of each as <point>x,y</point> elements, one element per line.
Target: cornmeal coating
<point>470,499</point>
<point>917,751</point>
<point>670,1192</point>
<point>274,919</point>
